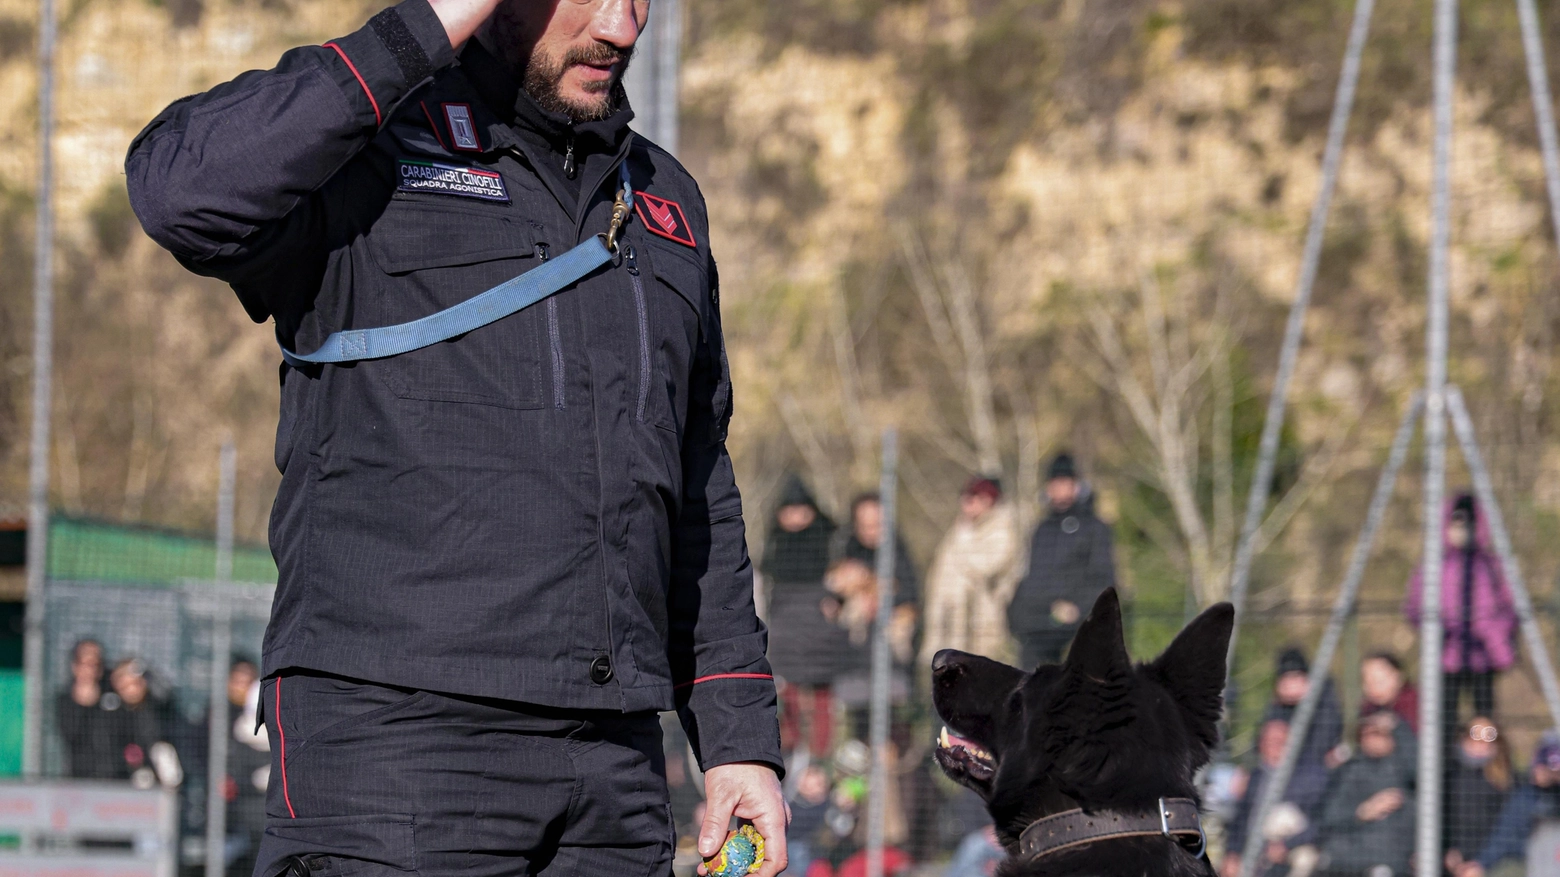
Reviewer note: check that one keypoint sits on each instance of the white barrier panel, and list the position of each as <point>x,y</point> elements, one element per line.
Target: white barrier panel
<point>15,865</point>
<point>66,812</point>
<point>74,809</point>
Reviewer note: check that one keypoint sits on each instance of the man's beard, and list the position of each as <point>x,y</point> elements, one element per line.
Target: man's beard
<point>544,81</point>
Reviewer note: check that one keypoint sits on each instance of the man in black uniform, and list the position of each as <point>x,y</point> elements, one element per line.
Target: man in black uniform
<point>501,554</point>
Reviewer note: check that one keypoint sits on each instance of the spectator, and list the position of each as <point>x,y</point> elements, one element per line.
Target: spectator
<point>1530,802</point>
<point>978,855</point>
<point>248,768</point>
<point>1476,611</point>
<point>1289,687</point>
<point>1477,783</point>
<point>90,751</point>
<point>861,544</point>
<point>140,728</point>
<point>1367,819</point>
<point>1291,825</point>
<point>972,577</point>
<point>1384,686</point>
<point>804,836</point>
<point>1070,563</point>
<point>805,648</point>
<point>852,579</point>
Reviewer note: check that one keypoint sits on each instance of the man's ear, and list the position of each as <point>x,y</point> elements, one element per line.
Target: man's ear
<point>1193,668</point>
<point>1099,650</point>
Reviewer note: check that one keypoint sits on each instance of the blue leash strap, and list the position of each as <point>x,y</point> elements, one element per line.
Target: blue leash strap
<point>509,297</point>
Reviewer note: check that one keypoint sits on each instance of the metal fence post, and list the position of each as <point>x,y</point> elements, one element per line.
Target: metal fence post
<point>653,80</point>
<point>882,660</point>
<point>218,731</point>
<point>1427,856</point>
<point>1321,663</point>
<point>1543,105</point>
<point>43,380</point>
<point>1316,233</point>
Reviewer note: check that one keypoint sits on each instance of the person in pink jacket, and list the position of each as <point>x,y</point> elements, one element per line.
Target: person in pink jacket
<point>1476,610</point>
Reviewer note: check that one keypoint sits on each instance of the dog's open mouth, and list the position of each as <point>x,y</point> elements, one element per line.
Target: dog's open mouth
<point>964,760</point>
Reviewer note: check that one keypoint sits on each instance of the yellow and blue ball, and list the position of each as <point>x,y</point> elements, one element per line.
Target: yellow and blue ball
<point>741,854</point>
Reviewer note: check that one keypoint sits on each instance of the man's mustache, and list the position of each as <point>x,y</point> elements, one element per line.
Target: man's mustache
<point>598,55</point>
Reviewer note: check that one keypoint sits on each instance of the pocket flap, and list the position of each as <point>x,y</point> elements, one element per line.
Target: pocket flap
<point>385,839</point>
<point>682,274</point>
<point>413,235</point>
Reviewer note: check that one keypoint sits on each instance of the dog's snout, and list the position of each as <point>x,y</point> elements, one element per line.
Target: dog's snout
<point>945,661</point>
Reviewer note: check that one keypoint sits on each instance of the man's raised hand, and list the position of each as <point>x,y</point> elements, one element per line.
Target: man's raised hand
<point>462,18</point>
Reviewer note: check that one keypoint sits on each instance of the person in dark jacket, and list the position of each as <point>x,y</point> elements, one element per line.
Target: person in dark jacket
<point>805,647</point>
<point>1529,802</point>
<point>86,727</point>
<point>1477,784</point>
<point>1367,817</point>
<point>1290,685</point>
<point>1290,825</point>
<point>1070,563</point>
<point>511,548</point>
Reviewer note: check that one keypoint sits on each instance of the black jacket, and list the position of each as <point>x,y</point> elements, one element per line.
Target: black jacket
<point>1069,559</point>
<point>1353,846</point>
<point>542,510</point>
<point>805,647</point>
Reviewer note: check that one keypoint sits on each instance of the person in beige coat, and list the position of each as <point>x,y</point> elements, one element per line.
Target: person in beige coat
<point>973,577</point>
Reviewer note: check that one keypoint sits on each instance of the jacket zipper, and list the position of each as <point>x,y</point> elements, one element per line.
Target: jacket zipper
<point>631,261</point>
<point>570,168</point>
<point>555,339</point>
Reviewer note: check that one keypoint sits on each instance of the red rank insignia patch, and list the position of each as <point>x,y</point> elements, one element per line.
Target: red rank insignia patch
<point>664,218</point>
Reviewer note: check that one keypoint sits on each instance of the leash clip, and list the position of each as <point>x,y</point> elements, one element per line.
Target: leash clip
<point>621,208</point>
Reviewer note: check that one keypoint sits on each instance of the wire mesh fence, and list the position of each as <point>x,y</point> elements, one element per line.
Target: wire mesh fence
<point>131,625</point>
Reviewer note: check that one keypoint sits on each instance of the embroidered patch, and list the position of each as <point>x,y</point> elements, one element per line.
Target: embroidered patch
<point>463,131</point>
<point>444,179</point>
<point>664,218</point>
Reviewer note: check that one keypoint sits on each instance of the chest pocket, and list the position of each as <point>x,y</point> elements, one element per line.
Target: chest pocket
<point>670,291</point>
<point>434,255</point>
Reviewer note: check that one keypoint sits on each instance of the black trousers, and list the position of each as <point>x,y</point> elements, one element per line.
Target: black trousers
<point>1480,688</point>
<point>373,781</point>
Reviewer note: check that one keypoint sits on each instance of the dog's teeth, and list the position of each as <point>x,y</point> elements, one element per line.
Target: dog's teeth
<point>942,739</point>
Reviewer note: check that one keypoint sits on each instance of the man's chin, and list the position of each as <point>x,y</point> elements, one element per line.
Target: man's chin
<point>587,104</point>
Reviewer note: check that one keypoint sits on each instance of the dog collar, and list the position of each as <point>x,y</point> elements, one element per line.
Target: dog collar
<point>1176,818</point>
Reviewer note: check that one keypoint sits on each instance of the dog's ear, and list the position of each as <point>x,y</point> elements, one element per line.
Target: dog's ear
<point>1093,695</point>
<point>1192,669</point>
<point>1099,650</point>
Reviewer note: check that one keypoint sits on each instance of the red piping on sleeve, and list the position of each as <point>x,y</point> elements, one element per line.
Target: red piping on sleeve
<point>703,679</point>
<point>282,739</point>
<point>432,124</point>
<point>378,119</point>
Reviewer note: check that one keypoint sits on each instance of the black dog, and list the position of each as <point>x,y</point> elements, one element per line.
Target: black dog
<point>1087,766</point>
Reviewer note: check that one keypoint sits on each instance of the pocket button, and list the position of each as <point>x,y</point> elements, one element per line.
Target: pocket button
<point>601,670</point>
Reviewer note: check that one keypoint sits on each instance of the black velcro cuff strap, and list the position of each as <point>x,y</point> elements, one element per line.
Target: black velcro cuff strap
<point>403,46</point>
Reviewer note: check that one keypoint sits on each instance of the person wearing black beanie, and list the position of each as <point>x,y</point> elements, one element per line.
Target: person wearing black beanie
<point>1070,563</point>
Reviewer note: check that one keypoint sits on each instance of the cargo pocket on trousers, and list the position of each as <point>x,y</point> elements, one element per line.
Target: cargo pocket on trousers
<point>339,846</point>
